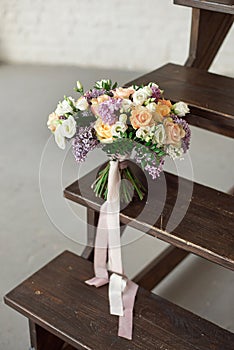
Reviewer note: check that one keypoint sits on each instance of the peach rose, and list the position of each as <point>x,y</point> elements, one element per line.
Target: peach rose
<point>53,121</point>
<point>123,92</point>
<point>103,131</point>
<point>163,110</point>
<point>99,99</point>
<point>174,132</point>
<point>165,102</point>
<point>141,116</point>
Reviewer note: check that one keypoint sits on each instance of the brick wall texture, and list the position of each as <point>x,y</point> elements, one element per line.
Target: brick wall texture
<point>132,34</point>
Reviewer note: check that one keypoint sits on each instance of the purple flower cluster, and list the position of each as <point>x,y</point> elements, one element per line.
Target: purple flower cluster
<point>149,161</point>
<point>155,171</point>
<point>84,141</point>
<point>94,93</point>
<point>108,108</point>
<point>185,126</point>
<point>156,93</point>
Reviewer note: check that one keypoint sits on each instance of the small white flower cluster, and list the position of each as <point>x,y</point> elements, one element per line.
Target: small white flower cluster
<point>174,152</point>
<point>155,134</point>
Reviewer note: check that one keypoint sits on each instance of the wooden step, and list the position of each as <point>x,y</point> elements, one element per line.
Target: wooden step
<point>60,303</point>
<point>224,6</point>
<point>210,96</point>
<point>207,228</point>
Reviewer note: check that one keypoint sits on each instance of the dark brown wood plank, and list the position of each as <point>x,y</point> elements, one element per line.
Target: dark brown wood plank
<point>207,229</point>
<point>225,6</point>
<point>160,267</point>
<point>57,299</point>
<point>92,221</point>
<point>197,88</point>
<point>208,31</point>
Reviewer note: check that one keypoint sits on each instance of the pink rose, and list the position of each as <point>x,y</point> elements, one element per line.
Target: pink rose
<point>174,132</point>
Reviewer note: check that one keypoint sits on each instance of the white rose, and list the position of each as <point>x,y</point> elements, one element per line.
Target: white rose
<point>147,90</point>
<point>123,118</point>
<point>118,128</point>
<point>143,132</point>
<point>139,97</point>
<point>181,108</point>
<point>59,138</point>
<point>68,127</point>
<point>126,105</point>
<point>159,134</point>
<point>64,107</point>
<point>82,104</point>
<point>151,107</point>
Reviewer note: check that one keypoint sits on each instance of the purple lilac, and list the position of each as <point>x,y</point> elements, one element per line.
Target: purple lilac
<point>94,93</point>
<point>155,171</point>
<point>156,93</point>
<point>108,108</point>
<point>185,126</point>
<point>84,141</point>
<point>149,161</point>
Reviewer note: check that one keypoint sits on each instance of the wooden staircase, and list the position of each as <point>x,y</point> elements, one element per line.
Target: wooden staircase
<point>66,314</point>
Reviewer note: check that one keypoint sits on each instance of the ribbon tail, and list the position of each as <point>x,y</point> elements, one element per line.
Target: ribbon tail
<point>126,321</point>
<point>100,252</point>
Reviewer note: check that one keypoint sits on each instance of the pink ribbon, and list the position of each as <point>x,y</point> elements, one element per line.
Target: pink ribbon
<point>122,291</point>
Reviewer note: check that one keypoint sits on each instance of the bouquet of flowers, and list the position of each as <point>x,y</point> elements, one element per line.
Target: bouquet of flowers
<point>125,121</point>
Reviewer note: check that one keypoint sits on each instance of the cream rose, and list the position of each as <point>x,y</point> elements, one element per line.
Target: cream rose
<point>174,132</point>
<point>103,131</point>
<point>68,127</point>
<point>139,97</point>
<point>181,108</point>
<point>159,135</point>
<point>59,138</point>
<point>82,104</point>
<point>152,107</point>
<point>141,116</point>
<point>126,105</point>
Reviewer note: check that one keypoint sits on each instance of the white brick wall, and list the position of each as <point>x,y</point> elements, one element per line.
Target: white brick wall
<point>130,34</point>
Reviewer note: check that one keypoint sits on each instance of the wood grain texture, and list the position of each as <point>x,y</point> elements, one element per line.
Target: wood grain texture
<point>78,314</point>
<point>208,31</point>
<point>224,6</point>
<point>160,267</point>
<point>207,229</point>
<point>197,88</point>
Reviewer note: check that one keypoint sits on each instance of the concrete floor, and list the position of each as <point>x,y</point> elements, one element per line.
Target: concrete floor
<point>37,223</point>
